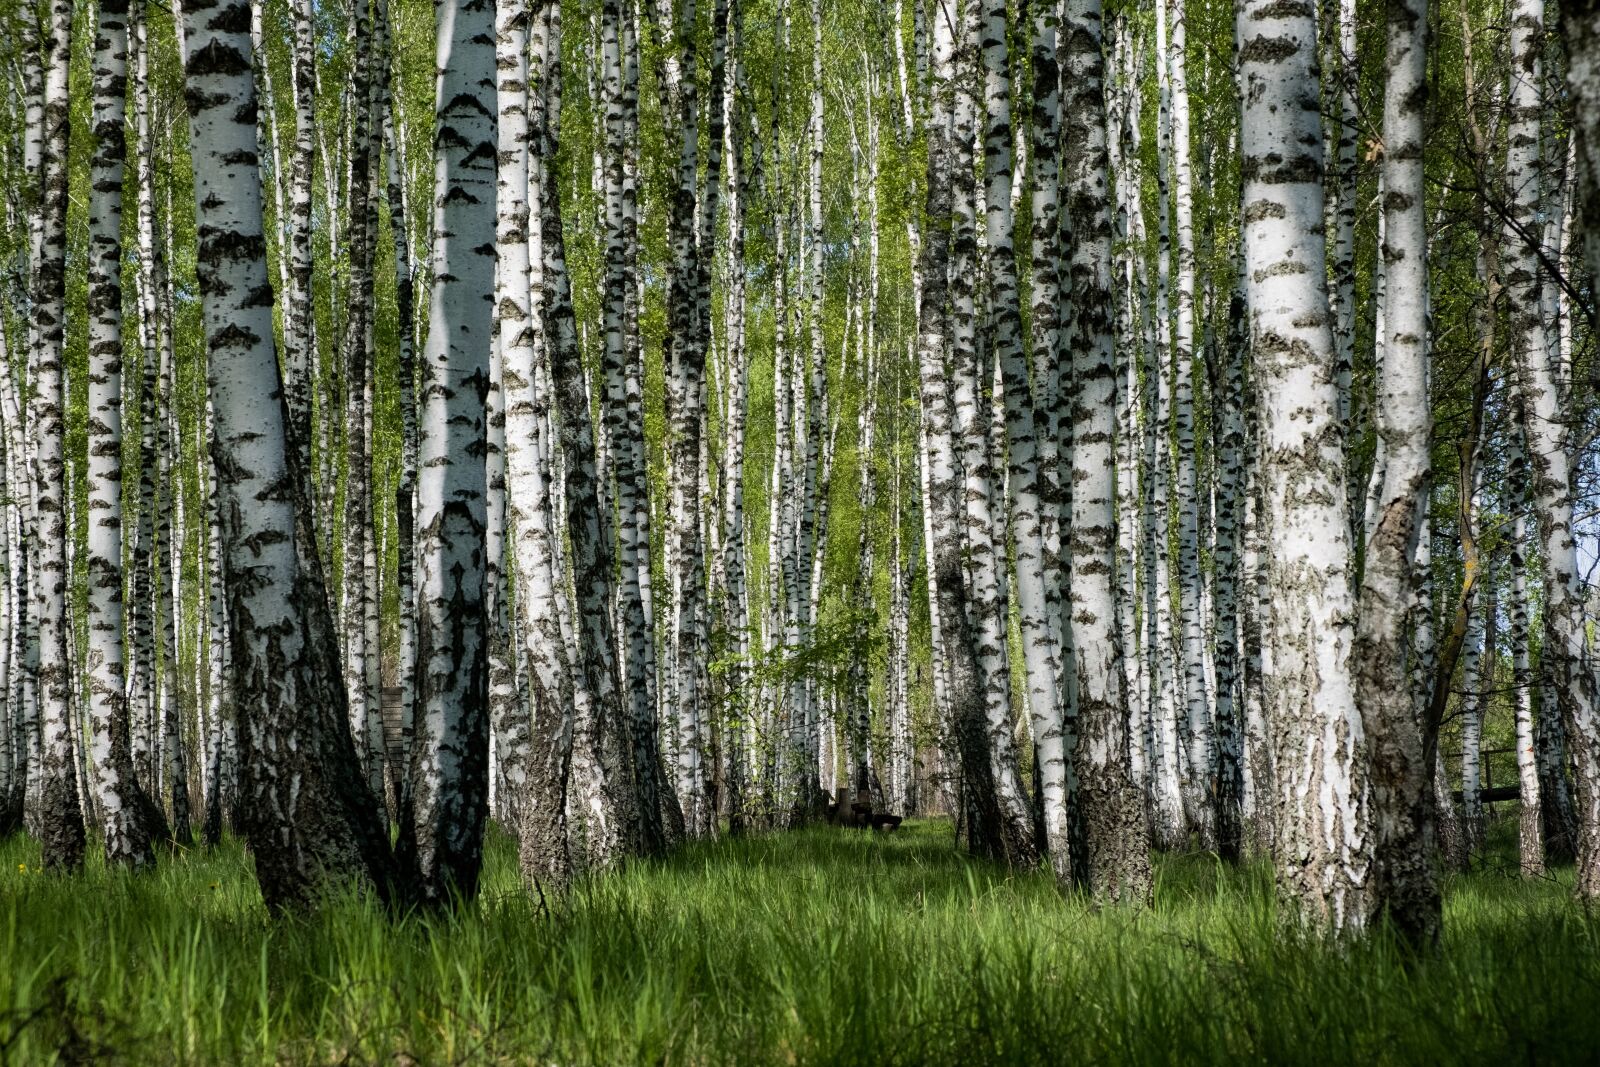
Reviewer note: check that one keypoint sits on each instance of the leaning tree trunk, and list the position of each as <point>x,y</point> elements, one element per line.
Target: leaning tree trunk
<point>1405,884</point>
<point>442,833</point>
<point>1322,839</point>
<point>128,818</point>
<point>304,805</point>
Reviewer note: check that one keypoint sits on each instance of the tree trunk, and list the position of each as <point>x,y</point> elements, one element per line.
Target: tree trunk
<point>624,420</point>
<point>406,483</point>
<point>1530,824</point>
<point>359,356</point>
<point>304,805</point>
<point>1323,845</point>
<point>736,598</point>
<point>990,828</point>
<point>1580,29</point>
<point>1200,786</point>
<point>299,320</point>
<point>542,805</point>
<point>129,820</point>
<point>1342,64</point>
<point>442,834</point>
<point>620,808</point>
<point>1041,651</point>
<point>1564,649</point>
<point>60,820</point>
<point>1404,883</point>
<point>984,560</point>
<point>1114,844</point>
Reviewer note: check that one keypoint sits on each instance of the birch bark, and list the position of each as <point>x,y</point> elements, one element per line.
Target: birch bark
<point>442,833</point>
<point>60,819</point>
<point>1115,838</point>
<point>128,819</point>
<point>1399,736</point>
<point>304,805</point>
<point>1323,848</point>
<point>1564,649</point>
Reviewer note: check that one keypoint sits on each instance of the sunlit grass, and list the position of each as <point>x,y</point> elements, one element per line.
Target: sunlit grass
<point>826,946</point>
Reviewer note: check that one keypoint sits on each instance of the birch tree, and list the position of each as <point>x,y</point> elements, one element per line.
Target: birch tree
<point>442,834</point>
<point>624,420</point>
<point>623,809</point>
<point>60,819</point>
<point>1530,823</point>
<point>1404,883</point>
<point>1112,816</point>
<point>1541,412</point>
<point>1200,781</point>
<point>1580,29</point>
<point>304,804</point>
<point>735,602</point>
<point>128,819</point>
<point>990,828</point>
<point>1323,849</point>
<point>987,594</point>
<point>538,582</point>
<point>1041,646</point>
<point>359,557</point>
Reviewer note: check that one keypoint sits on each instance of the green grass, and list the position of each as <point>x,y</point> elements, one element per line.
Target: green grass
<point>825,946</point>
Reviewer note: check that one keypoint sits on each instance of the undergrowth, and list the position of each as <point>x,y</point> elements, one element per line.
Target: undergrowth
<point>820,946</point>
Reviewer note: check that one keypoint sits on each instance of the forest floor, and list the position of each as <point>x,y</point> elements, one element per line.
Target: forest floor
<point>822,946</point>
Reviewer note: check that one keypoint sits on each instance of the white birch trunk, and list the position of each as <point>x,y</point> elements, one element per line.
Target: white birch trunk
<point>60,818</point>
<point>443,833</point>
<point>987,601</point>
<point>1404,883</point>
<point>1564,649</point>
<point>128,819</point>
<point>1115,837</point>
<point>302,800</point>
<point>1323,847</point>
<point>1530,824</point>
<point>1200,786</point>
<point>542,804</point>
